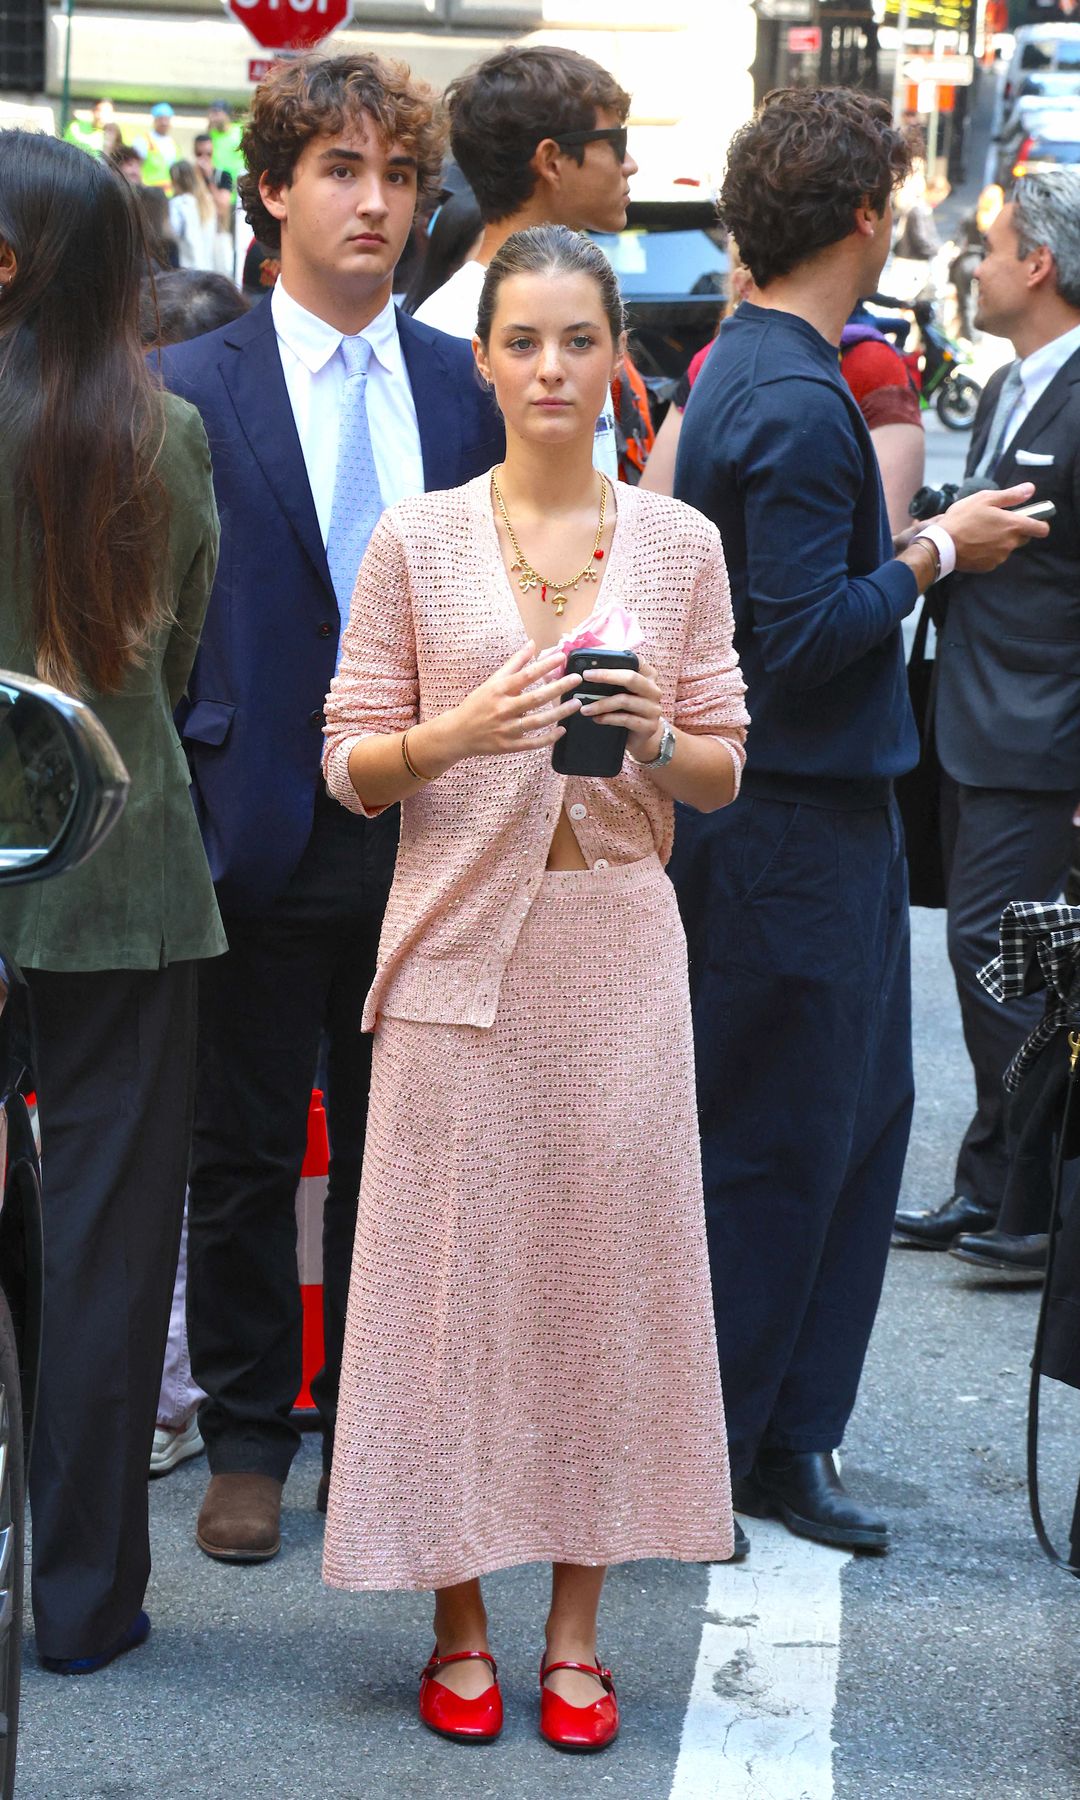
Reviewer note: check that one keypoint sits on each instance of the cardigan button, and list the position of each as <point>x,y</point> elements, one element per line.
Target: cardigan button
<point>577,811</point>
<point>318,717</point>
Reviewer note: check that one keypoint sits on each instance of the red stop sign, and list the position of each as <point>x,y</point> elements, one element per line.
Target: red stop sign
<point>290,24</point>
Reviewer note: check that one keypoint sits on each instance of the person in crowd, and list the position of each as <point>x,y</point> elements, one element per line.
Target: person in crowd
<point>539,133</point>
<point>105,489</point>
<point>455,232</point>
<point>157,147</point>
<point>92,133</point>
<point>795,902</point>
<point>262,266</point>
<point>173,307</point>
<point>193,217</point>
<point>223,191</point>
<point>180,304</point>
<point>530,1239</point>
<point>162,249</point>
<point>226,141</point>
<point>881,383</point>
<point>127,162</point>
<point>1006,723</point>
<point>321,407</point>
<point>969,255</point>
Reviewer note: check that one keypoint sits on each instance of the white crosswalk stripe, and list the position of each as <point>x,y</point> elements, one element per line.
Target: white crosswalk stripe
<point>759,1722</point>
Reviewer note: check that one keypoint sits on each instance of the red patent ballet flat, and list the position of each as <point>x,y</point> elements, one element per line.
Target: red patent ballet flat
<point>452,1715</point>
<point>580,1728</point>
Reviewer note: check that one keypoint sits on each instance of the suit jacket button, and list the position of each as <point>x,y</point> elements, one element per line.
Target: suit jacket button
<point>325,629</point>
<point>318,717</point>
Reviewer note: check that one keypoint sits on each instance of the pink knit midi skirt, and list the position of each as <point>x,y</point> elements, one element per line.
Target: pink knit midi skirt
<point>530,1366</point>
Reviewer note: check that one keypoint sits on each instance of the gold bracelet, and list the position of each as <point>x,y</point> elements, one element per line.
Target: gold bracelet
<point>415,773</point>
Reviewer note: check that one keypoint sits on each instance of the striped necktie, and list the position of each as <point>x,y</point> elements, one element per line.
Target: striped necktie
<point>357,504</point>
<point>1011,389</point>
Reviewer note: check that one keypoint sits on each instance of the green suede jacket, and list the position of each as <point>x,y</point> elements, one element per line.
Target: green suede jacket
<point>145,898</point>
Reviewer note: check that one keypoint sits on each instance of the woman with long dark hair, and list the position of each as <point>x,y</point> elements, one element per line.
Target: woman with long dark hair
<point>108,539</point>
<point>530,1367</point>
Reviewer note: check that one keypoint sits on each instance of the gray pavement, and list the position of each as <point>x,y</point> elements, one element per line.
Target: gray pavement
<point>958,1666</point>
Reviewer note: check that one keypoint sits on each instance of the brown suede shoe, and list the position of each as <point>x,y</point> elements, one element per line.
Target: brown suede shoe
<point>240,1520</point>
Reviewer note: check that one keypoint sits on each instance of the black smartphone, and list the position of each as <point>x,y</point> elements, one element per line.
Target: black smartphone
<point>590,748</point>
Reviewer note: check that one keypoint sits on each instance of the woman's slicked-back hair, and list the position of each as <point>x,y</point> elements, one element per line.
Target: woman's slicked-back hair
<point>799,169</point>
<point>300,100</point>
<point>82,418</point>
<point>504,107</point>
<point>551,250</point>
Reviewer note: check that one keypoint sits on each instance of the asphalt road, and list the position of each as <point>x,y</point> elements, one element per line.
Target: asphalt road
<point>958,1663</point>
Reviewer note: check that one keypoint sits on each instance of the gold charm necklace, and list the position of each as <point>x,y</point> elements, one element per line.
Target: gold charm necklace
<point>529,578</point>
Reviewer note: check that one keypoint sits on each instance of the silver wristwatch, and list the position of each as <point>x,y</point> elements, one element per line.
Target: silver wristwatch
<point>663,755</point>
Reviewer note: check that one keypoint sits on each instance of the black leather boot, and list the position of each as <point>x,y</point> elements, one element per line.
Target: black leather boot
<point>803,1489</point>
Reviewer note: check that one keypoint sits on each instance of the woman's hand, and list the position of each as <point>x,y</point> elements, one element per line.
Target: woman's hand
<point>638,709</point>
<point>518,708</point>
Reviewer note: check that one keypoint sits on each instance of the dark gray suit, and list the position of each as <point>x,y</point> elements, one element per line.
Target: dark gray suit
<point>1007,723</point>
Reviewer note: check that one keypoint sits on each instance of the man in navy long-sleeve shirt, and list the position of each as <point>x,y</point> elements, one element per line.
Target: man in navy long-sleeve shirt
<point>795,900</point>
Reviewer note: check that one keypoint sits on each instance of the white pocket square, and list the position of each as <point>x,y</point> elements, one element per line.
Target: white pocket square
<point>1034,459</point>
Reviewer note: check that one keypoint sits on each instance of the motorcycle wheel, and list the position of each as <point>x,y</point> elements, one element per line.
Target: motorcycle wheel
<point>958,402</point>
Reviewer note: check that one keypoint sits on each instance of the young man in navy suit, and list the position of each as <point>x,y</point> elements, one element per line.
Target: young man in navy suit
<point>322,405</point>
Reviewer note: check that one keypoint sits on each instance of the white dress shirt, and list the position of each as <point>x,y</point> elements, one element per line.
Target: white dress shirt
<point>1037,371</point>
<point>315,377</point>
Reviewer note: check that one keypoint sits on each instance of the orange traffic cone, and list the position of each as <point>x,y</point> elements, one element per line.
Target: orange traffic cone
<point>310,1196</point>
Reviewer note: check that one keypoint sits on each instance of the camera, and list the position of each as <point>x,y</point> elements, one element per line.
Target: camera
<point>930,501</point>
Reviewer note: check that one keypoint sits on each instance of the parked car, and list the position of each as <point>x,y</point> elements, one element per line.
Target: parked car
<point>1040,51</point>
<point>1034,115</point>
<point>672,262</point>
<point>1054,144</point>
<point>62,788</point>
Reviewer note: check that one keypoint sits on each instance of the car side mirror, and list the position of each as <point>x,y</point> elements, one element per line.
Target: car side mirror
<point>62,783</point>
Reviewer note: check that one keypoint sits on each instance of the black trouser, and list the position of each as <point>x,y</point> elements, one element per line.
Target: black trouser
<point>999,845</point>
<point>301,968</point>
<point>797,927</point>
<point>114,1055</point>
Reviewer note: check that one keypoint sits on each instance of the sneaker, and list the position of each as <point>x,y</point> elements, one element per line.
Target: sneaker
<point>172,1447</point>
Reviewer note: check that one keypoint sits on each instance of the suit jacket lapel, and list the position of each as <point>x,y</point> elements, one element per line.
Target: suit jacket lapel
<point>1046,408</point>
<point>252,372</point>
<point>437,416</point>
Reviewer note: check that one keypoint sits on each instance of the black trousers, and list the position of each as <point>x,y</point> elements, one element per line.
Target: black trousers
<point>298,970</point>
<point>797,926</point>
<point>114,1058</point>
<point>999,845</point>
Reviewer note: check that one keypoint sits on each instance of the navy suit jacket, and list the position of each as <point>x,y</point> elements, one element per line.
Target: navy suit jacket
<point>252,719</point>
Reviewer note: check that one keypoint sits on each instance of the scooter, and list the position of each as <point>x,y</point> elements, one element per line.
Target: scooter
<point>936,365</point>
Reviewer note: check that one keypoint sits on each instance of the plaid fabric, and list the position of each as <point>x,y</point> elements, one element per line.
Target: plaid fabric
<point>1040,947</point>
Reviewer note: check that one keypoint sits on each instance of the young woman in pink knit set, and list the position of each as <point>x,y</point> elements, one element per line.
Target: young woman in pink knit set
<point>530,1368</point>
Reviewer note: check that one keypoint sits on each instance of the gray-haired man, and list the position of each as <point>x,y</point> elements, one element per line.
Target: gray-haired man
<point>1007,715</point>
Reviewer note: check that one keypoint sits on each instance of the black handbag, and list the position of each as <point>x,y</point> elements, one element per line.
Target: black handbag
<point>918,793</point>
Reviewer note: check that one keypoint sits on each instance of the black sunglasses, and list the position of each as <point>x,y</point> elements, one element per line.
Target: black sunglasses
<point>615,135</point>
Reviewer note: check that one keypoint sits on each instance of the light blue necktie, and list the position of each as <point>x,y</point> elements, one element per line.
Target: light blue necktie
<point>1011,389</point>
<point>357,504</point>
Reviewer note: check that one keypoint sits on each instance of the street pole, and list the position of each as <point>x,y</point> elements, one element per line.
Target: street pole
<point>65,91</point>
<point>898,68</point>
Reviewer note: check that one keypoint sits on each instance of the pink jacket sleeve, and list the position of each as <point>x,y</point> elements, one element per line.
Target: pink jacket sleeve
<point>376,687</point>
<point>709,695</point>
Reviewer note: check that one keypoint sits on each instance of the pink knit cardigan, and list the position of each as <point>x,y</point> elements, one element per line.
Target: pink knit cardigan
<point>433,615</point>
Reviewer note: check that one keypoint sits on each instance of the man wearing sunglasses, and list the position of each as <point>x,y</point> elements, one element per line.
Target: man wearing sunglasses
<point>540,136</point>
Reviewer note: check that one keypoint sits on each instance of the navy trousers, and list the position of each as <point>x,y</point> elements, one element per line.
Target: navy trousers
<point>796,919</point>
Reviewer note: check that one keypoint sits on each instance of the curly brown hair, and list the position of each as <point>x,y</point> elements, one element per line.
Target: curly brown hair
<point>315,94</point>
<point>798,170</point>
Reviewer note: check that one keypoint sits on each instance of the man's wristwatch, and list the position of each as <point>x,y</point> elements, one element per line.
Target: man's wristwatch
<point>663,755</point>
